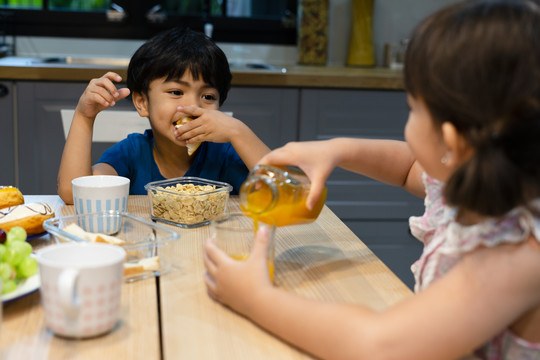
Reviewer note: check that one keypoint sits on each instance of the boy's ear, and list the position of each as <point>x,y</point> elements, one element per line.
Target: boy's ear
<point>141,104</point>
<point>456,144</point>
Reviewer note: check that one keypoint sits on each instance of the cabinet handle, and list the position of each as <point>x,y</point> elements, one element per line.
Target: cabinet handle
<point>4,91</point>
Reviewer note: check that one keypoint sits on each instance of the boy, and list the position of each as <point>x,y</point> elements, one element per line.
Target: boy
<point>176,74</point>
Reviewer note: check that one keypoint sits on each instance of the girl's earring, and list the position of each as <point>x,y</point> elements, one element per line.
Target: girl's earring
<point>446,157</point>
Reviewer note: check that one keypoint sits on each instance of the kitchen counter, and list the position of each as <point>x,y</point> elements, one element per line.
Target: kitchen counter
<point>293,76</point>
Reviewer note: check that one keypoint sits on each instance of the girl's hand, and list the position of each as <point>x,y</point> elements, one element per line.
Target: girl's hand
<point>316,158</point>
<point>237,283</point>
<point>100,94</point>
<point>208,125</point>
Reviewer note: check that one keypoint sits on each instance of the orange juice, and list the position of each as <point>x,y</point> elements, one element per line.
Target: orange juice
<point>278,194</point>
<point>270,262</point>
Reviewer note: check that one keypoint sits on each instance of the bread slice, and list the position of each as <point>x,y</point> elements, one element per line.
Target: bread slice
<point>76,230</point>
<point>191,148</point>
<point>143,265</point>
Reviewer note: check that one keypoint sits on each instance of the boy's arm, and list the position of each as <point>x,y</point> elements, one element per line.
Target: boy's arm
<point>77,155</point>
<point>248,146</point>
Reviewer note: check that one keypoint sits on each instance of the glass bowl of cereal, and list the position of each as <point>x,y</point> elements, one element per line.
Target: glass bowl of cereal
<point>187,201</point>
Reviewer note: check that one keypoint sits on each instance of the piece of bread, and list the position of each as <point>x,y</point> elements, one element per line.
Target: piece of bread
<point>10,196</point>
<point>143,265</point>
<point>191,148</point>
<point>76,230</point>
<point>29,216</point>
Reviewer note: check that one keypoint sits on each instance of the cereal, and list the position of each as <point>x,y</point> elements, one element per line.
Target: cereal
<point>188,201</point>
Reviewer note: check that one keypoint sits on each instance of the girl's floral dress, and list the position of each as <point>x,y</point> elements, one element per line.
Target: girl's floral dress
<point>446,241</point>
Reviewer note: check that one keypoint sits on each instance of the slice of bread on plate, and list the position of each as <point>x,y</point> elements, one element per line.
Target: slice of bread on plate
<point>146,264</point>
<point>76,230</point>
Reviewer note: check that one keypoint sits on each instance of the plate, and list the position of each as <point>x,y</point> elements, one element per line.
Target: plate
<point>30,237</point>
<point>24,288</point>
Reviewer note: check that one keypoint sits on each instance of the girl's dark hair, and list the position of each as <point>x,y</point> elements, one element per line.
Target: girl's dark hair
<point>170,53</point>
<point>476,64</point>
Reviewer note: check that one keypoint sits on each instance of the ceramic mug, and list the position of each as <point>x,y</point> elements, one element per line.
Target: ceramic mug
<point>81,287</point>
<point>98,193</point>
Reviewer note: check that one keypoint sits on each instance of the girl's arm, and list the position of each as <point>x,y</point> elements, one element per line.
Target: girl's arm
<point>388,161</point>
<point>482,295</point>
<point>77,157</point>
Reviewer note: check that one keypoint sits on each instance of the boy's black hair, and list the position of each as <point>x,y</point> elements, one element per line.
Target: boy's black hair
<point>476,65</point>
<point>170,53</point>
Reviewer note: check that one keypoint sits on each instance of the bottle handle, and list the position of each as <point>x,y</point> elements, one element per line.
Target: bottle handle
<point>254,184</point>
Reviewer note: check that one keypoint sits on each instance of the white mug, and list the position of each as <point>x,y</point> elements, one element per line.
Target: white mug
<point>81,287</point>
<point>98,193</point>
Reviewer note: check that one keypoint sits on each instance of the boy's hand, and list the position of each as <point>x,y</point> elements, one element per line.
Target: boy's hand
<point>208,125</point>
<point>100,94</point>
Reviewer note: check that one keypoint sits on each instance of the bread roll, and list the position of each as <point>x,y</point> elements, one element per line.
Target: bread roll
<point>10,196</point>
<point>29,216</point>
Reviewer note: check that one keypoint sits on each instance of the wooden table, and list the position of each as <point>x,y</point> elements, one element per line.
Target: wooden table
<point>172,317</point>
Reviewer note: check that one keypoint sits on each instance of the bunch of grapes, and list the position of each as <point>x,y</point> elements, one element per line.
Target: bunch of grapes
<point>16,264</point>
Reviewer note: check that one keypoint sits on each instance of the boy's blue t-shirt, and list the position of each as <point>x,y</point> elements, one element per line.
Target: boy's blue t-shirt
<point>133,158</point>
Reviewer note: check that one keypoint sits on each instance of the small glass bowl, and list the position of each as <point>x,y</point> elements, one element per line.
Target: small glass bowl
<point>187,201</point>
<point>142,240</point>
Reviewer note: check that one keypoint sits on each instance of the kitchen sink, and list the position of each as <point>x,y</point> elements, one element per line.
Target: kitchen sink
<point>72,61</point>
<point>63,61</point>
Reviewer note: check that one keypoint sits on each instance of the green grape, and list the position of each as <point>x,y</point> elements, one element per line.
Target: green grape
<point>27,268</point>
<point>3,249</point>
<point>8,286</point>
<point>6,272</point>
<point>21,247</point>
<point>16,233</point>
<point>16,252</point>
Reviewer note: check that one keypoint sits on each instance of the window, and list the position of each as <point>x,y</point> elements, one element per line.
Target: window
<point>242,21</point>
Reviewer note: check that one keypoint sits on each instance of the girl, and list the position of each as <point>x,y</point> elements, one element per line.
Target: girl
<point>472,76</point>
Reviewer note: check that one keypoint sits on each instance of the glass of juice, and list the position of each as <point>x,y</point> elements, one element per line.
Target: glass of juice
<point>279,194</point>
<point>234,233</point>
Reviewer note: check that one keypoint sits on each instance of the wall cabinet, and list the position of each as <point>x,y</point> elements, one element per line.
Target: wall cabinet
<point>271,113</point>
<point>7,137</point>
<point>377,213</point>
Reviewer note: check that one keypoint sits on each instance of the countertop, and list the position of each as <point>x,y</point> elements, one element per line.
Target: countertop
<point>294,76</point>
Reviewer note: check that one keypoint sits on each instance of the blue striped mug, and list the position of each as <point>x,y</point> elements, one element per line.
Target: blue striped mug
<point>98,193</point>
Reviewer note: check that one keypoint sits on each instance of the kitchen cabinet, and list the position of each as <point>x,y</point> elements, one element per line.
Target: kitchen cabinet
<point>270,112</point>
<point>7,136</point>
<point>41,136</point>
<point>376,212</point>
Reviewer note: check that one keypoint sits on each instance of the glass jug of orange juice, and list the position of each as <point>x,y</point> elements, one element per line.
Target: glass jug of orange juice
<point>278,193</point>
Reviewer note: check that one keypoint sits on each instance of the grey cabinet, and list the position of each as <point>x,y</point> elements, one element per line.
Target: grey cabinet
<point>376,212</point>
<point>40,133</point>
<point>271,114</point>
<point>7,136</point>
